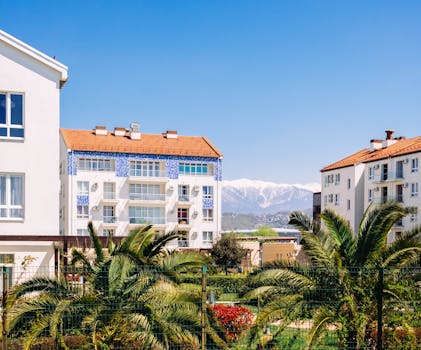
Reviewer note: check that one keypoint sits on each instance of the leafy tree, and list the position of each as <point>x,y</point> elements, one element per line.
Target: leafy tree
<point>340,284</point>
<point>131,297</point>
<point>227,252</point>
<point>265,231</point>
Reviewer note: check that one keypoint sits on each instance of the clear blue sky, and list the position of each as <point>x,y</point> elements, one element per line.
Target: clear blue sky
<point>281,87</point>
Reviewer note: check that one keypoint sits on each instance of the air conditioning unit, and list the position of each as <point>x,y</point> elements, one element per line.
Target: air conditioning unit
<point>94,187</point>
<point>196,188</point>
<point>195,213</point>
<point>405,185</point>
<point>405,161</point>
<point>377,166</point>
<point>171,187</point>
<point>95,208</point>
<point>377,189</point>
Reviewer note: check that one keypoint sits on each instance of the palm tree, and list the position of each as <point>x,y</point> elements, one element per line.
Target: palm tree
<point>339,285</point>
<point>131,296</point>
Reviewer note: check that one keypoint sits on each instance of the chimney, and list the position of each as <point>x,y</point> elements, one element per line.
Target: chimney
<point>118,131</point>
<point>171,134</point>
<point>375,144</point>
<point>389,134</point>
<point>100,130</point>
<point>134,131</point>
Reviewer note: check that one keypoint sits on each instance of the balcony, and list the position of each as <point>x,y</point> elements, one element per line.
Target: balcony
<point>109,221</point>
<point>109,198</point>
<point>152,176</point>
<point>184,200</point>
<point>155,198</point>
<point>389,177</point>
<point>381,200</point>
<point>147,221</point>
<point>183,243</point>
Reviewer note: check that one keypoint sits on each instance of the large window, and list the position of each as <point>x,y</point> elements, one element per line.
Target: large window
<point>96,164</point>
<point>82,211</point>
<point>183,216</point>
<point>83,188</point>
<point>207,237</point>
<point>11,115</point>
<point>207,192</point>
<point>195,168</point>
<point>146,192</point>
<point>146,215</point>
<point>207,215</point>
<point>414,165</point>
<point>145,168</point>
<point>109,190</point>
<point>109,214</point>
<point>414,189</point>
<point>11,196</point>
<point>183,193</point>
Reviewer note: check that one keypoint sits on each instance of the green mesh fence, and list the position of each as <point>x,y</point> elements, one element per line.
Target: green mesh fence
<point>129,306</point>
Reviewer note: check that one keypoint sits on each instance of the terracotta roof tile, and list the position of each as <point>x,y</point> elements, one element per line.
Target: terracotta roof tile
<point>86,140</point>
<point>401,147</point>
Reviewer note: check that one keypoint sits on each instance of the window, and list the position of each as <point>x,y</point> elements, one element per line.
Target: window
<point>145,168</point>
<point>336,199</point>
<point>195,168</point>
<point>96,164</point>
<point>109,190</point>
<point>349,184</point>
<point>330,198</point>
<point>11,197</point>
<point>83,188</point>
<point>414,216</point>
<point>108,232</point>
<point>348,204</point>
<point>82,232</point>
<point>207,192</point>
<point>325,200</point>
<point>399,193</point>
<point>183,193</point>
<point>183,216</point>
<point>207,215</point>
<point>399,169</point>
<point>337,179</point>
<point>82,211</point>
<point>109,214</point>
<point>384,195</point>
<point>146,215</point>
<point>414,189</point>
<point>11,116</point>
<point>145,192</point>
<point>183,242</point>
<point>414,165</point>
<point>398,235</point>
<point>6,265</point>
<point>384,172</point>
<point>371,173</point>
<point>370,195</point>
<point>207,237</point>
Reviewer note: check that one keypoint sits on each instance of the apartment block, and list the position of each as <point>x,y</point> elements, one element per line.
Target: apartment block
<point>30,87</point>
<point>122,178</point>
<point>387,170</point>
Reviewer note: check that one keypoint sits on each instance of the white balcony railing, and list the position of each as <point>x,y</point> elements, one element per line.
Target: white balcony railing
<point>147,196</point>
<point>147,220</point>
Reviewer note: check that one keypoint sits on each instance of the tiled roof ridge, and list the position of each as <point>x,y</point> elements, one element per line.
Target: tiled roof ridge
<point>400,148</point>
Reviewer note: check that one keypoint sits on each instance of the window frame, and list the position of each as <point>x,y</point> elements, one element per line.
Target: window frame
<point>84,211</point>
<point>80,190</point>
<point>414,165</point>
<point>209,237</point>
<point>8,207</point>
<point>8,125</point>
<point>207,217</point>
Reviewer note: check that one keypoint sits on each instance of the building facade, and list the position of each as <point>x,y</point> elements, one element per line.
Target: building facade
<point>121,179</point>
<point>29,142</point>
<point>387,170</point>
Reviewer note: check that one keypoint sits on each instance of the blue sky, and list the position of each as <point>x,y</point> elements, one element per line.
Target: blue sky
<point>281,87</point>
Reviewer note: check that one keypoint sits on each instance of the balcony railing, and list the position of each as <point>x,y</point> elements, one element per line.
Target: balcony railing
<point>147,197</point>
<point>109,219</point>
<point>148,173</point>
<point>385,199</point>
<point>183,221</point>
<point>109,195</point>
<point>183,198</point>
<point>183,243</point>
<point>392,176</point>
<point>148,220</point>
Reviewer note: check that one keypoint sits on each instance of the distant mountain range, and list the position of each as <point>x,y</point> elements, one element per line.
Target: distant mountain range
<point>247,204</point>
<point>259,197</point>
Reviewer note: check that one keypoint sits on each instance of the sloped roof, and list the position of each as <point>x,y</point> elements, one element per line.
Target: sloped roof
<point>401,147</point>
<point>157,144</point>
<point>35,54</point>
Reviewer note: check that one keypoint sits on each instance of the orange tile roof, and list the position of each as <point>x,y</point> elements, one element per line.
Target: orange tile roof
<point>86,140</point>
<point>401,147</point>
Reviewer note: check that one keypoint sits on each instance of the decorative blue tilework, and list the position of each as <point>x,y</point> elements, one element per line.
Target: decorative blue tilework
<point>172,168</point>
<point>122,162</point>
<point>82,200</point>
<point>207,203</point>
<point>122,166</point>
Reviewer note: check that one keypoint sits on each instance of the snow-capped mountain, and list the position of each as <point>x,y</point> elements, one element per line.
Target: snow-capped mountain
<point>261,197</point>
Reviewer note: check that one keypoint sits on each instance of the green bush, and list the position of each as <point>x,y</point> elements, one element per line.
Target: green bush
<point>226,284</point>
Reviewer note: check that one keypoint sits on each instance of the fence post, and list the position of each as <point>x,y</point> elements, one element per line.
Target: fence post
<point>4,315</point>
<point>380,310</point>
<point>203,307</point>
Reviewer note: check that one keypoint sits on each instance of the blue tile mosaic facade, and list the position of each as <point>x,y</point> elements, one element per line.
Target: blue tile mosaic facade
<point>82,200</point>
<point>122,162</point>
<point>207,203</point>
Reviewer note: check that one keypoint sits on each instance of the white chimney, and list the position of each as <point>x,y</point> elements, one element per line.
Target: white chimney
<point>375,145</point>
<point>171,134</point>
<point>389,139</point>
<point>134,131</point>
<point>100,130</point>
<point>119,131</point>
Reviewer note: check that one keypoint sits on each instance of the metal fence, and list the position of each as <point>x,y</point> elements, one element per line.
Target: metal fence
<point>152,307</point>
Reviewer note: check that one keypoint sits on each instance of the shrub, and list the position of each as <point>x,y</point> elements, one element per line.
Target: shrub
<point>234,319</point>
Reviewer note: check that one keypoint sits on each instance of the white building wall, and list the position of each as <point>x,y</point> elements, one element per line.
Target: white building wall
<point>36,157</point>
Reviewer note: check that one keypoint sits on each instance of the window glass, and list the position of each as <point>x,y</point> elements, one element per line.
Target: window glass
<point>16,190</point>
<point>16,109</point>
<point>3,190</point>
<point>2,109</point>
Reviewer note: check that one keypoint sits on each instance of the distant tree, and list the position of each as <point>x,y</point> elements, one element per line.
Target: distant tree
<point>265,231</point>
<point>227,252</point>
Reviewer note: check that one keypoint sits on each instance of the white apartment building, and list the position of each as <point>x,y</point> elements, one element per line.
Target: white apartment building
<point>387,170</point>
<point>30,84</point>
<point>122,178</point>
